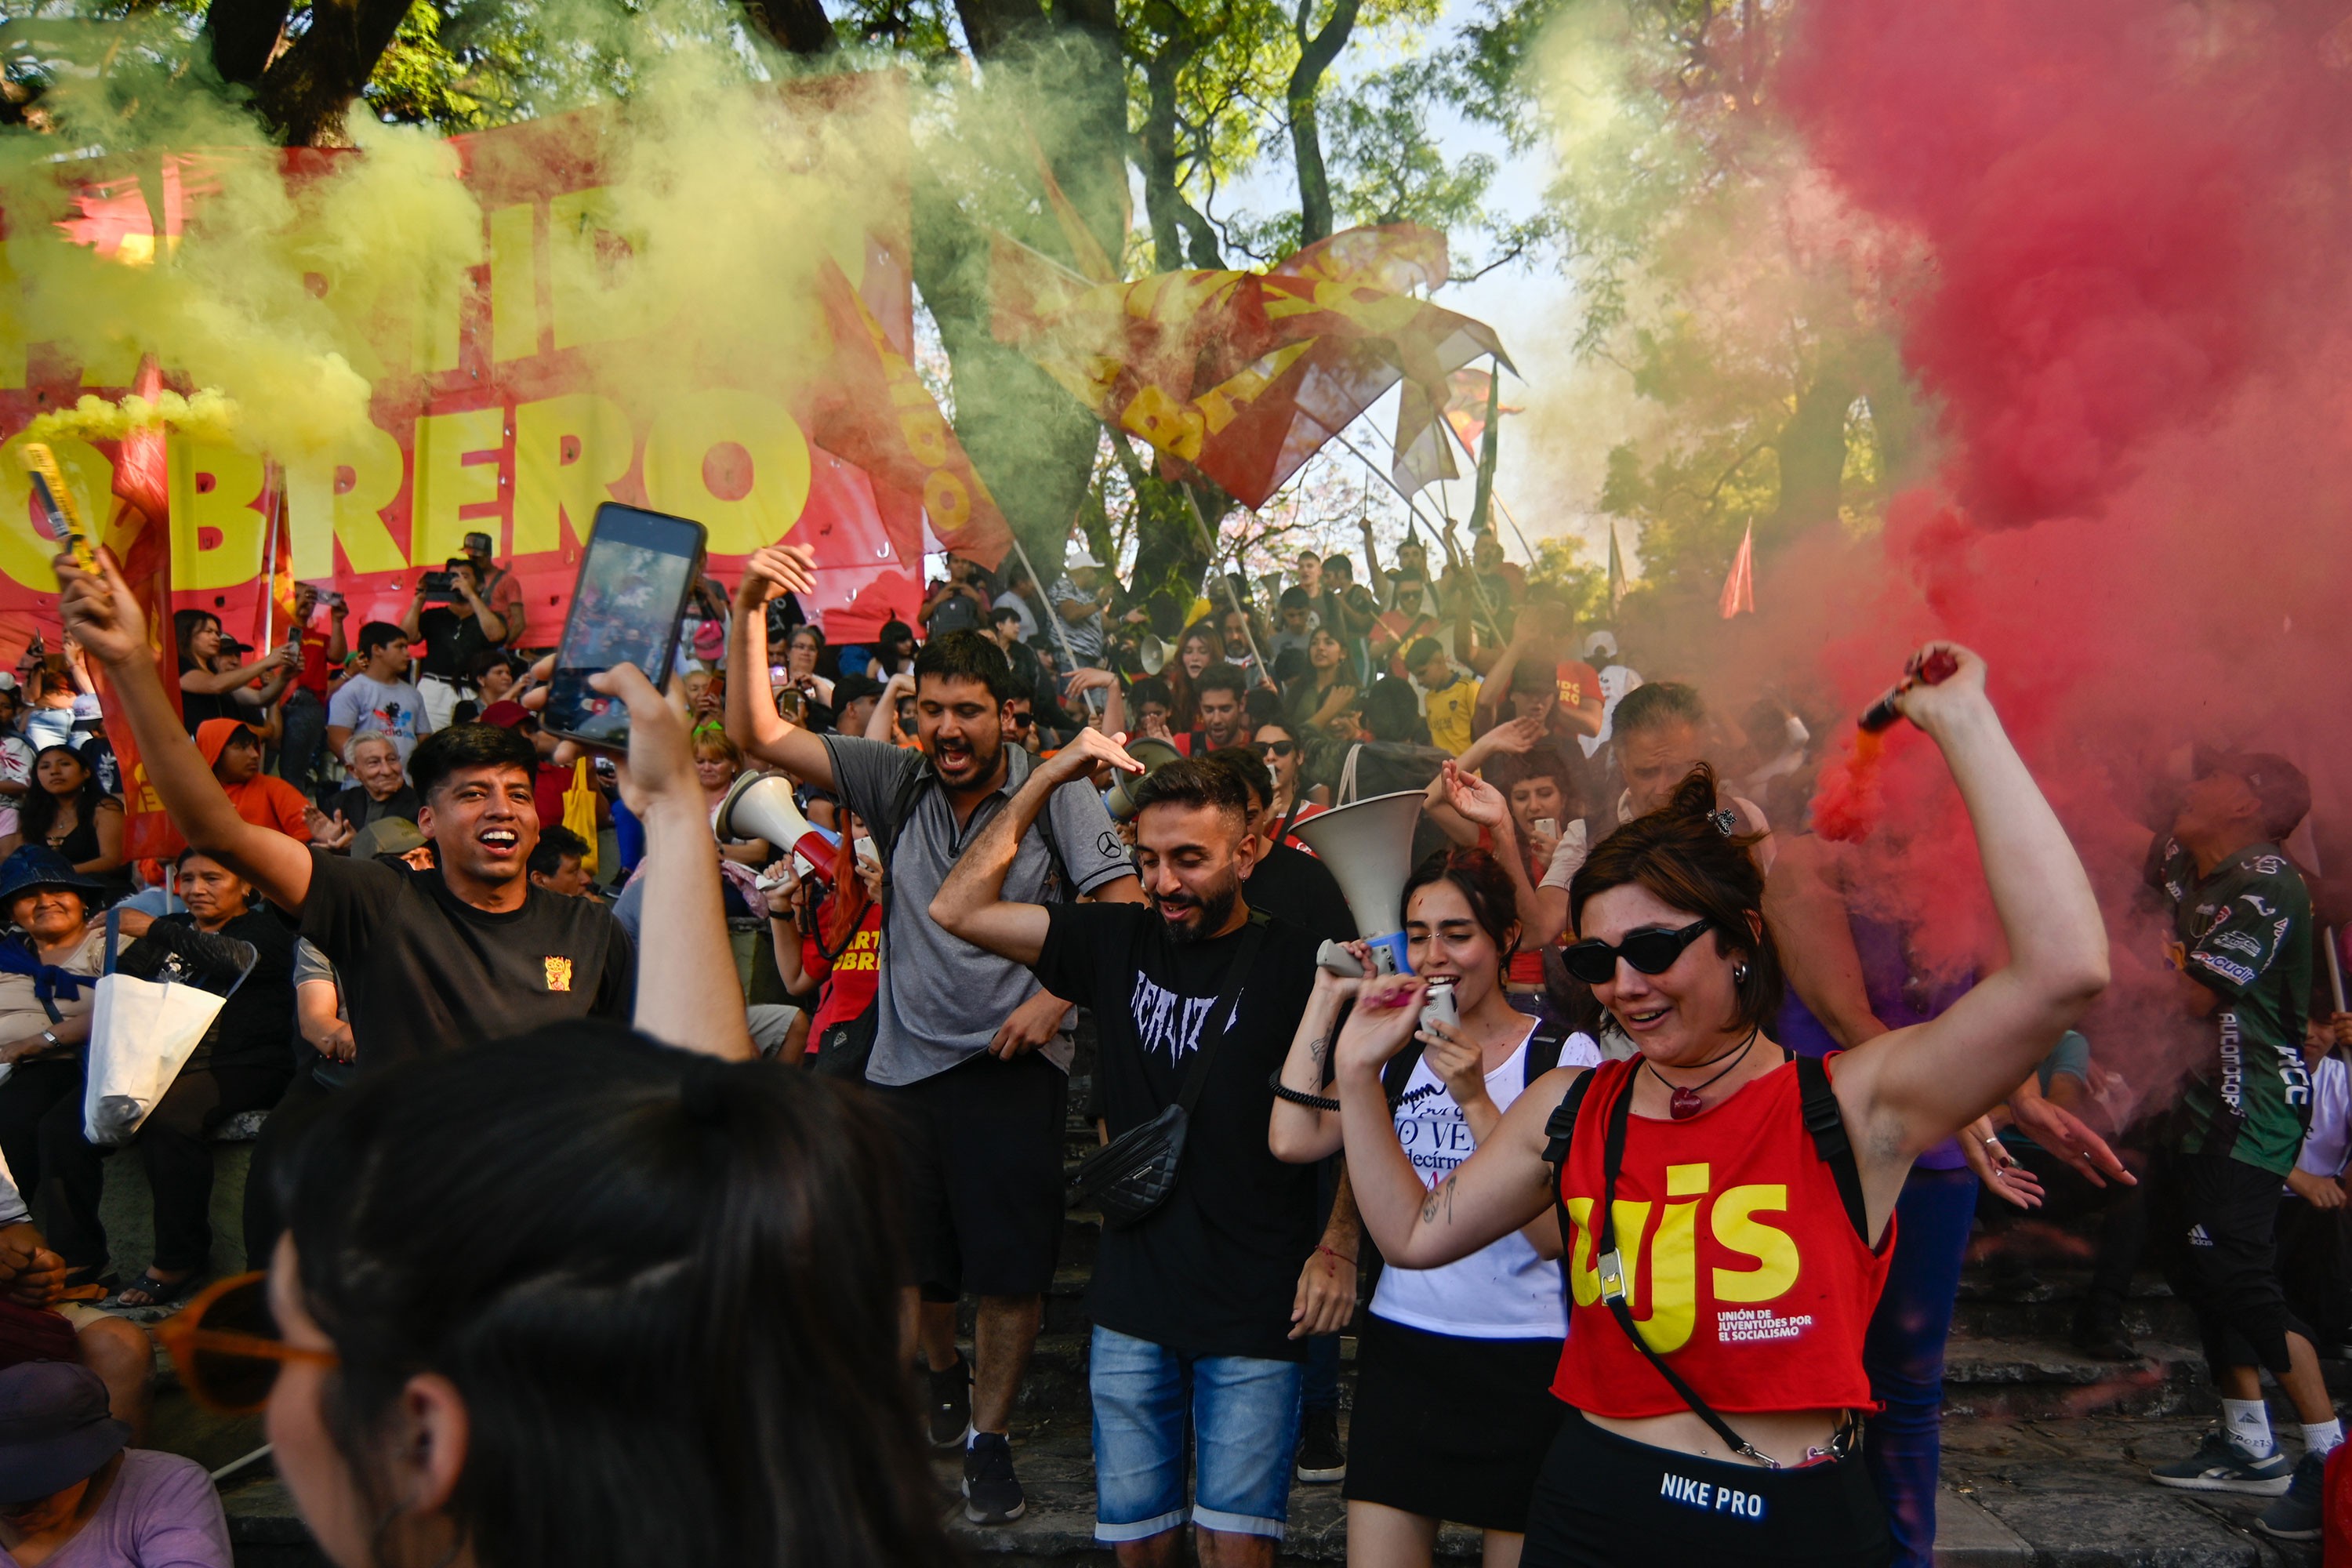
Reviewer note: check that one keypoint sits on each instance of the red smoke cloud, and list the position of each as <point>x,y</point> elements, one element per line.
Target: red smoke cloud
<point>2130,311</point>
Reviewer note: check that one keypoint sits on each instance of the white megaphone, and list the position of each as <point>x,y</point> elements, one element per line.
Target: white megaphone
<point>1151,653</point>
<point>760,805</point>
<point>1369,847</point>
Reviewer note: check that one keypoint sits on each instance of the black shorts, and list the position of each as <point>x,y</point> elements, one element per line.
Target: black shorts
<point>983,1153</point>
<point>1604,1502</point>
<point>2217,1225</point>
<point>1451,1428</point>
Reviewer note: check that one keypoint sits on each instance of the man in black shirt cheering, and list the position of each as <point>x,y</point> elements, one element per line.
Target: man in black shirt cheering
<point>428,959</point>
<point>1219,1285</point>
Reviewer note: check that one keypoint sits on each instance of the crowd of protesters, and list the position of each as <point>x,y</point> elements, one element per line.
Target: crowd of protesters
<point>1064,878</point>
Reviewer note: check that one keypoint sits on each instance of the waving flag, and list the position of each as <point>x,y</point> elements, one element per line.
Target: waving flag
<point>1242,376</point>
<point>1740,588</point>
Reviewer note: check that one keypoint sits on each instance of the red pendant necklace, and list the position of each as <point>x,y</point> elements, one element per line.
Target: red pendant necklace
<point>1682,1104</point>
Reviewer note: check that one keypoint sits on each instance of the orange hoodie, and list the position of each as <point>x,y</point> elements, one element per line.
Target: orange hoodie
<point>262,800</point>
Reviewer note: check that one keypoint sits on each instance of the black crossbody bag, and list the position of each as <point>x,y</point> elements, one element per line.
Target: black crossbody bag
<point>1135,1172</point>
<point>1831,1145</point>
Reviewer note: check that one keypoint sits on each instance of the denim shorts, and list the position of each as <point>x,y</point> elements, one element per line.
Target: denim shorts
<point>1244,1420</point>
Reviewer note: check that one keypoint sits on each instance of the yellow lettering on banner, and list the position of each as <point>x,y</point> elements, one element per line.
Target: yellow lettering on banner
<point>592,300</point>
<point>682,437</point>
<point>13,315</point>
<point>568,451</point>
<point>1736,1228</point>
<point>514,283</point>
<point>338,496</point>
<point>1584,1267</point>
<point>446,483</point>
<point>113,364</point>
<point>440,320</point>
<point>24,550</point>
<point>213,489</point>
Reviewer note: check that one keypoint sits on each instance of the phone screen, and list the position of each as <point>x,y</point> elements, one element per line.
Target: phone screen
<point>625,609</point>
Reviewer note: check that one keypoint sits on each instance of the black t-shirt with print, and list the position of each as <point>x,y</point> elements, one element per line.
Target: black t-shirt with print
<point>1214,1269</point>
<point>422,970</point>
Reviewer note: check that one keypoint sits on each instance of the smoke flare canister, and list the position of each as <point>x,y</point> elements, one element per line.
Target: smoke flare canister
<point>1932,670</point>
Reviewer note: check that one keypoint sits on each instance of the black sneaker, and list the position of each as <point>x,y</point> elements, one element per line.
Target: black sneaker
<point>951,1404</point>
<point>2297,1516</point>
<point>2220,1465</point>
<point>1321,1460</point>
<point>992,1494</point>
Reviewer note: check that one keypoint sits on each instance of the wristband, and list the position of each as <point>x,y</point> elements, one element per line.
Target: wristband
<point>1334,1253</point>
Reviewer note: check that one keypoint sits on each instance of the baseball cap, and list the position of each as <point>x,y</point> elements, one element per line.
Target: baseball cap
<point>55,1428</point>
<point>850,687</point>
<point>1080,561</point>
<point>386,835</point>
<point>477,543</point>
<point>2278,784</point>
<point>505,714</point>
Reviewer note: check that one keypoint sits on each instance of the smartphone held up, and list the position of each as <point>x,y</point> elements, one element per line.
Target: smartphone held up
<point>627,605</point>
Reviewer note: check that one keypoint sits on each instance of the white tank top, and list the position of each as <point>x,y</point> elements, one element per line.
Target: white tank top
<point>1503,1291</point>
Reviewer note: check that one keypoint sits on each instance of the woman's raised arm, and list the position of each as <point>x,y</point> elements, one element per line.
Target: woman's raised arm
<point>1908,1090</point>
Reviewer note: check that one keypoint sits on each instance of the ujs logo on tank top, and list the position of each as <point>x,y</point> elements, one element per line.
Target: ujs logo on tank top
<point>1661,1263</point>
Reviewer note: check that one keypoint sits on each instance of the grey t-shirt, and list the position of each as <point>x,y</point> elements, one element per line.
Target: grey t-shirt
<point>942,998</point>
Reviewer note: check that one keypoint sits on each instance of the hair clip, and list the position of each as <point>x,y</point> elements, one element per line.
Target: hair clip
<point>1726,821</point>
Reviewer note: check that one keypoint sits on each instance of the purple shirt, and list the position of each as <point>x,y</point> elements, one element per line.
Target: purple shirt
<point>163,1513</point>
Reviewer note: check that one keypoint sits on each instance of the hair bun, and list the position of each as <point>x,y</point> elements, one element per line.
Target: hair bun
<point>1695,799</point>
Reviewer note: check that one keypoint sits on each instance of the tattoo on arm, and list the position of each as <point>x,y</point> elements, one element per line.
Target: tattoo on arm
<point>1317,1049</point>
<point>1441,1196</point>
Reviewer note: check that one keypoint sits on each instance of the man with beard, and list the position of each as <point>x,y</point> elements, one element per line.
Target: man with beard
<point>967,1050</point>
<point>1201,1311</point>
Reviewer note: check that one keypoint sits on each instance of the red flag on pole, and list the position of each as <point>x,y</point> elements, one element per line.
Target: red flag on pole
<point>1740,588</point>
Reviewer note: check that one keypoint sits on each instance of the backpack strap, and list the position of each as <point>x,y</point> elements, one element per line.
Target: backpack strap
<point>1827,1124</point>
<point>1543,1052</point>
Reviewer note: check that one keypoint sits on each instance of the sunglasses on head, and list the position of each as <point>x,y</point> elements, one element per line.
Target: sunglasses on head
<point>227,1346</point>
<point>1652,951</point>
<point>1277,747</point>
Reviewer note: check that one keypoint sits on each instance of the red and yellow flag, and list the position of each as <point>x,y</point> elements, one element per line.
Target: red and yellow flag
<point>1242,376</point>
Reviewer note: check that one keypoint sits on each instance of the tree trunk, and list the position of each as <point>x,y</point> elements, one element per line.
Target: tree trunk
<point>303,93</point>
<point>1316,53</point>
<point>1812,453</point>
<point>1030,440</point>
<point>797,27</point>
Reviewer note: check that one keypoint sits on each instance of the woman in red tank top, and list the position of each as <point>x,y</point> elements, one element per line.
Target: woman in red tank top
<point>1724,1253</point>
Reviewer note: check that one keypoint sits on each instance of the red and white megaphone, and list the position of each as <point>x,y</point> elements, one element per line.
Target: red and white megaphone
<point>760,805</point>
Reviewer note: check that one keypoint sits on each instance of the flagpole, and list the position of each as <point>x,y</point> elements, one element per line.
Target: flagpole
<point>270,575</point>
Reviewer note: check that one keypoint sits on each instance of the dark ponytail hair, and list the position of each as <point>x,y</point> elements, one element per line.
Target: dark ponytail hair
<point>667,1287</point>
<point>1485,886</point>
<point>1690,854</point>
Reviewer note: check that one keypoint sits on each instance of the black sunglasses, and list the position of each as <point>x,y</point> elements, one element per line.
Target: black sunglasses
<point>1021,720</point>
<point>1277,747</point>
<point>1652,951</point>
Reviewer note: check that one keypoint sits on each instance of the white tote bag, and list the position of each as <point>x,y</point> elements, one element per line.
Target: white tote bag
<point>142,1033</point>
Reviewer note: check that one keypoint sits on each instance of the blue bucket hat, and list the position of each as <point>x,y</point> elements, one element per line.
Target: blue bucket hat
<point>39,865</point>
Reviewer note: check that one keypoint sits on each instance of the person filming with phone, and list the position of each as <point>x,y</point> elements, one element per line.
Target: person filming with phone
<point>1727,1206</point>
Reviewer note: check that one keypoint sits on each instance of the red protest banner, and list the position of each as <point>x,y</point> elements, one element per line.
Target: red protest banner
<point>511,401</point>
